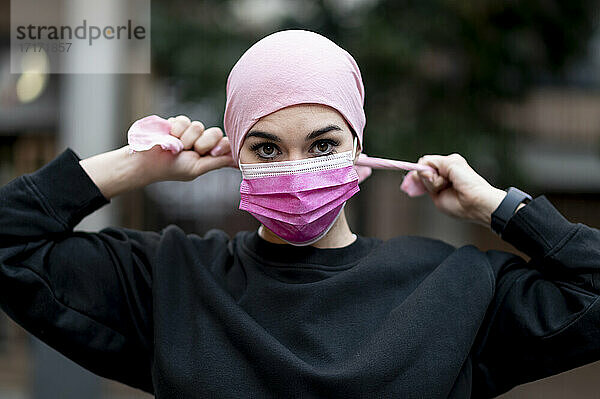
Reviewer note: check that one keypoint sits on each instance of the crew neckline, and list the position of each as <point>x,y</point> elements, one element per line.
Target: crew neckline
<point>291,256</point>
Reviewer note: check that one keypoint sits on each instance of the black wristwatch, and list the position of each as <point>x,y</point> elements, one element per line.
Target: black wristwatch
<point>514,197</point>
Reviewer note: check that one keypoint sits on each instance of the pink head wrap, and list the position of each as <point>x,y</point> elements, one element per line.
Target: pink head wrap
<point>292,67</point>
<point>286,68</point>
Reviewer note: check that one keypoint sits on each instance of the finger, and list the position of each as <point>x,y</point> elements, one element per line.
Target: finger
<point>426,175</point>
<point>440,182</point>
<point>432,181</point>
<point>208,140</point>
<point>426,182</point>
<point>444,164</point>
<point>429,160</point>
<point>179,124</point>
<point>191,134</point>
<point>223,147</point>
<point>206,164</point>
<point>435,181</point>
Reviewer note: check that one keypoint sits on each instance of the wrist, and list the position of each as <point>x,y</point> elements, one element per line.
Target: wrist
<point>115,172</point>
<point>488,204</point>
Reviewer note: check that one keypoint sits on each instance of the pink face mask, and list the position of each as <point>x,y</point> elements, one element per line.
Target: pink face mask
<point>299,200</point>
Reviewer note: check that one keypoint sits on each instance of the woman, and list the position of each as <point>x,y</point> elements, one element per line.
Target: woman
<point>302,307</point>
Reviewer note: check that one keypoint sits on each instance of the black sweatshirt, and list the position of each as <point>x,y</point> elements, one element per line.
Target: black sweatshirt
<point>188,316</point>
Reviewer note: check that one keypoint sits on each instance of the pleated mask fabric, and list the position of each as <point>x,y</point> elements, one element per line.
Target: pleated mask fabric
<point>299,200</point>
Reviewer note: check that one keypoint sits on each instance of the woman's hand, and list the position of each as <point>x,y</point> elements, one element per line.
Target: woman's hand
<point>118,171</point>
<point>203,150</point>
<point>457,190</point>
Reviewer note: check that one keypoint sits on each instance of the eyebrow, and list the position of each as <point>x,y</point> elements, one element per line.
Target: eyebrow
<point>314,134</point>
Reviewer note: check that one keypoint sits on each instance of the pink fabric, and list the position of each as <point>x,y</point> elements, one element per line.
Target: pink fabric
<point>299,207</point>
<point>152,130</point>
<point>299,199</point>
<point>298,182</point>
<point>411,184</point>
<point>291,67</point>
<point>303,233</point>
<point>268,205</point>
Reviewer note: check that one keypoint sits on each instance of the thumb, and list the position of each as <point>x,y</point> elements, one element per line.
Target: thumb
<point>207,163</point>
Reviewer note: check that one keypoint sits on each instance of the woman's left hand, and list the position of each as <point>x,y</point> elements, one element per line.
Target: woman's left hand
<point>457,190</point>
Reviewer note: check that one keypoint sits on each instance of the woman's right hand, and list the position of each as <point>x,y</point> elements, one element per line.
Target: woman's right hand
<point>203,150</point>
<point>118,171</point>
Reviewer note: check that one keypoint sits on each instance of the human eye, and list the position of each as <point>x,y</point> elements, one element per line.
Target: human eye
<point>325,147</point>
<point>265,150</point>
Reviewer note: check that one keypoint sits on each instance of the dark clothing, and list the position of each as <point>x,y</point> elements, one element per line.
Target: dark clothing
<point>182,315</point>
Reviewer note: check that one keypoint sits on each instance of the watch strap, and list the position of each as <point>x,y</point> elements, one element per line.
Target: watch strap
<point>500,217</point>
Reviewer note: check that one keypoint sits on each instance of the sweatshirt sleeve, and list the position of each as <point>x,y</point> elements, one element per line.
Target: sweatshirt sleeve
<point>544,318</point>
<point>87,295</point>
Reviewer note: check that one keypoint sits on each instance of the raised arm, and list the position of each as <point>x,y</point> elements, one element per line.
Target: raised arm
<point>545,315</point>
<point>87,295</point>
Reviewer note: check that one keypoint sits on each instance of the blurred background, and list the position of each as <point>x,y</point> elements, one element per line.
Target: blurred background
<point>513,86</point>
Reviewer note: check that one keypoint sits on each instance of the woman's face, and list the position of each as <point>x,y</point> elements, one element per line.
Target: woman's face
<point>297,132</point>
